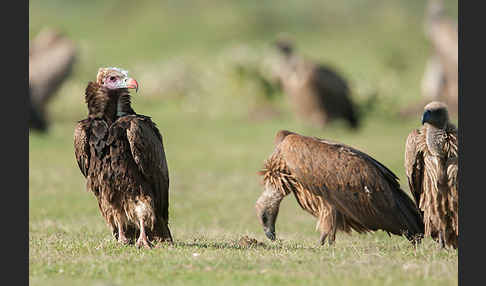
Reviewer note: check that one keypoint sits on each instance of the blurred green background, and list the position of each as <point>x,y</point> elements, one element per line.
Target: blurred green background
<point>185,55</point>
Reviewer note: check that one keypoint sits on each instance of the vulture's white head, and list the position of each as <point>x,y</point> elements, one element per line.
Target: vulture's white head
<point>115,78</point>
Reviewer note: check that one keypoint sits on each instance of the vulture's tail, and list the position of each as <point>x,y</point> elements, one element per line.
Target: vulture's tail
<point>410,215</point>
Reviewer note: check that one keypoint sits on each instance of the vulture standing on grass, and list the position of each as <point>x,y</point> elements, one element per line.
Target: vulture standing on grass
<point>121,154</point>
<point>345,189</point>
<point>317,93</point>
<point>431,166</point>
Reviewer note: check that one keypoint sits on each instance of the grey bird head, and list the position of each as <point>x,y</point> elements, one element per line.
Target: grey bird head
<point>436,114</point>
<point>285,46</point>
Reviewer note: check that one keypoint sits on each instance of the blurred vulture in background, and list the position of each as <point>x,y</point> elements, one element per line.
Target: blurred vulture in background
<point>345,189</point>
<point>36,121</point>
<point>440,80</point>
<point>317,93</point>
<point>431,166</point>
<point>121,155</point>
<point>51,58</point>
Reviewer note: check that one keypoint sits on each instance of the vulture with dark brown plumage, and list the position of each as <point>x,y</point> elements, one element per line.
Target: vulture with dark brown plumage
<point>345,189</point>
<point>317,93</point>
<point>122,156</point>
<point>431,155</point>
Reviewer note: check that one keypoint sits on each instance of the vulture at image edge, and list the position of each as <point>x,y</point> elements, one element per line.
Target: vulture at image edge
<point>52,56</point>
<point>345,189</point>
<point>440,80</point>
<point>122,156</point>
<point>431,164</point>
<point>317,94</point>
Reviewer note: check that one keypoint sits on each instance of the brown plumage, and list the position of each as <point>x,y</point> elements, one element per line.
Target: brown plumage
<point>345,189</point>
<point>431,166</point>
<point>316,92</point>
<point>51,59</point>
<point>122,156</point>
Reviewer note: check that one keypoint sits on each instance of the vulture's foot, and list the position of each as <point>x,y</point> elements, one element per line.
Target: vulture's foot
<point>142,239</point>
<point>123,239</point>
<point>143,242</point>
<point>441,241</point>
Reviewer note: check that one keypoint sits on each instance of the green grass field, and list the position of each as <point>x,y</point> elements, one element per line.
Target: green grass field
<point>215,146</point>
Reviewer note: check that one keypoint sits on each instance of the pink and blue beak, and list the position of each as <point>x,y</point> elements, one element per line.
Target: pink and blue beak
<point>132,83</point>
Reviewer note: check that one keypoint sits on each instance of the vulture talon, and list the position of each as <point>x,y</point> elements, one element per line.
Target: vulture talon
<point>143,243</point>
<point>123,240</point>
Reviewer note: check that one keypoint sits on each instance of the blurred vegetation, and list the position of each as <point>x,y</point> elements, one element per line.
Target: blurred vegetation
<point>379,46</point>
<point>201,70</point>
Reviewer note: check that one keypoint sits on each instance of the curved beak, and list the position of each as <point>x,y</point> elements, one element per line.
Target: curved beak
<point>426,116</point>
<point>132,83</point>
<point>267,207</point>
<point>269,229</point>
<point>267,218</point>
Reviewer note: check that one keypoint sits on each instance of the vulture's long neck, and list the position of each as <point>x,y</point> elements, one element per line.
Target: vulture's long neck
<point>288,70</point>
<point>123,106</point>
<point>435,140</point>
<point>102,103</point>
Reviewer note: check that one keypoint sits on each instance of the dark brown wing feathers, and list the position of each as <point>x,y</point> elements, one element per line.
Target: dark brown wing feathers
<point>337,99</point>
<point>148,152</point>
<point>414,164</point>
<point>81,146</point>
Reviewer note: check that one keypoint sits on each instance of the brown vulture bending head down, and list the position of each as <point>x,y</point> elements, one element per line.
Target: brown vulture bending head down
<point>431,165</point>
<point>121,154</point>
<point>344,188</point>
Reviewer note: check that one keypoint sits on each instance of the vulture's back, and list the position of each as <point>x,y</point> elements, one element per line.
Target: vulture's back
<point>360,187</point>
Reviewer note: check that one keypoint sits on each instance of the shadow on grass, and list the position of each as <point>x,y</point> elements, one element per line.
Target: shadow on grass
<point>240,244</point>
<point>243,243</point>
